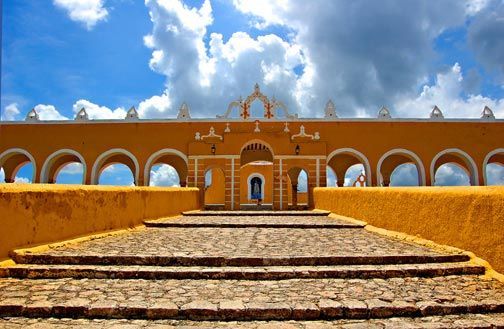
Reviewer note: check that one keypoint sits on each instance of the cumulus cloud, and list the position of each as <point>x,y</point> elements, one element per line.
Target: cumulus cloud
<point>164,175</point>
<point>73,168</point>
<point>21,180</point>
<point>451,175</point>
<point>10,112</point>
<point>95,111</point>
<point>116,174</point>
<point>447,94</point>
<point>88,12</point>
<point>404,175</point>
<point>495,174</point>
<point>49,112</point>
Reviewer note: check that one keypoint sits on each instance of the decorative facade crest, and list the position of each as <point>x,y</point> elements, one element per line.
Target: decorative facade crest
<point>257,129</point>
<point>132,114</point>
<point>436,113</point>
<point>197,136</point>
<point>211,134</point>
<point>384,113</point>
<point>32,116</point>
<point>228,129</point>
<point>487,114</point>
<point>303,134</point>
<point>270,106</point>
<point>183,113</point>
<point>82,115</point>
<point>330,110</point>
<point>286,129</point>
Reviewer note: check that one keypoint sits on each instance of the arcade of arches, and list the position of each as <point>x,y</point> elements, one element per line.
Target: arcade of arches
<point>278,158</point>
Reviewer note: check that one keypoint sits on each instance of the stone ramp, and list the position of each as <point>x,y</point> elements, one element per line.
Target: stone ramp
<point>277,213</point>
<point>487,321</point>
<point>299,299</point>
<point>45,271</point>
<point>300,273</point>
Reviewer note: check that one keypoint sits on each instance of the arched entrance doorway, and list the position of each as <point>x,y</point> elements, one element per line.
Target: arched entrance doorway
<point>256,175</point>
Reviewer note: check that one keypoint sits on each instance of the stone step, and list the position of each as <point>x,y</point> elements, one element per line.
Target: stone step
<point>254,221</point>
<point>256,213</point>
<point>481,321</point>
<point>238,273</point>
<point>211,261</point>
<point>300,299</point>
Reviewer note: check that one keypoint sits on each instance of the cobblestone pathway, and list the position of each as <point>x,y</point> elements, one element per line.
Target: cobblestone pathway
<point>285,269</point>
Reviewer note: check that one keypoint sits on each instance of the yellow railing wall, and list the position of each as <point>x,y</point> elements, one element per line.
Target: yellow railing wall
<point>470,218</point>
<point>42,213</point>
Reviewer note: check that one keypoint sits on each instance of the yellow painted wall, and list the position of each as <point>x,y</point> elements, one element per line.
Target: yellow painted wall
<point>42,213</point>
<point>470,218</point>
<point>215,193</point>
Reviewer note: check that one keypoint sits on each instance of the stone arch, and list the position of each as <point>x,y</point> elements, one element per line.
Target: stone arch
<point>117,155</point>
<point>495,156</point>
<point>263,180</point>
<point>349,157</point>
<point>172,157</point>
<point>396,157</point>
<point>458,157</point>
<point>13,159</point>
<point>256,150</point>
<point>58,160</point>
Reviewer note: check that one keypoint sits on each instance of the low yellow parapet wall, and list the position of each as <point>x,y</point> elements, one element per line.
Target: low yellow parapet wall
<point>37,214</point>
<point>470,218</point>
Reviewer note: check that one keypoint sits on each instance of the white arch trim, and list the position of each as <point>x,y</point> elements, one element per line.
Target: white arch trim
<point>258,141</point>
<point>359,155</point>
<point>473,169</point>
<point>249,180</point>
<point>14,151</point>
<point>95,173</point>
<point>485,162</point>
<point>44,175</point>
<point>158,154</point>
<point>418,163</point>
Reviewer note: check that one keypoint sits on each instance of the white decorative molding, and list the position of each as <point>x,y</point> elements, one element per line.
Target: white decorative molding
<point>384,113</point>
<point>13,151</point>
<point>257,129</point>
<point>82,115</point>
<point>270,106</point>
<point>330,110</point>
<point>436,113</point>
<point>32,116</point>
<point>184,113</point>
<point>44,175</point>
<point>132,114</point>
<point>303,134</point>
<point>97,166</point>
<point>415,158</point>
<point>360,156</point>
<point>487,114</point>
<point>485,162</point>
<point>228,129</point>
<point>211,134</point>
<point>473,169</point>
<point>286,129</point>
<point>197,136</point>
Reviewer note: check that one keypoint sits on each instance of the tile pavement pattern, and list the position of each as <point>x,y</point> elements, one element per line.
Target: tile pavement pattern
<point>260,270</point>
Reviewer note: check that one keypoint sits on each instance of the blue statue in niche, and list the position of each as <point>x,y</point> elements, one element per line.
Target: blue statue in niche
<point>255,189</point>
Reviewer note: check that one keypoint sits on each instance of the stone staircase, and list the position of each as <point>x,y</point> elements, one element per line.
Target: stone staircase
<point>248,269</point>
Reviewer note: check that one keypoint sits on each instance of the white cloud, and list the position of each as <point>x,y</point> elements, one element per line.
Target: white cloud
<point>2,175</point>
<point>264,12</point>
<point>495,174</point>
<point>404,175</point>
<point>352,173</point>
<point>73,168</point>
<point>49,112</point>
<point>164,175</point>
<point>447,93</point>
<point>10,112</point>
<point>88,12</point>
<point>21,180</point>
<point>451,175</point>
<point>156,107</point>
<point>95,111</point>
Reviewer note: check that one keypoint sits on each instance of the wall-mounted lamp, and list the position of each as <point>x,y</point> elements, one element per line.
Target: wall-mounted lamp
<point>297,149</point>
<point>213,149</point>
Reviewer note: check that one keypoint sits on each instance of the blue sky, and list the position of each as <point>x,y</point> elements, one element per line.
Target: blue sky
<point>108,55</point>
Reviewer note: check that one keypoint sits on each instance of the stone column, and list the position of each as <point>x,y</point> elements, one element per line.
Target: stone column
<point>294,196</point>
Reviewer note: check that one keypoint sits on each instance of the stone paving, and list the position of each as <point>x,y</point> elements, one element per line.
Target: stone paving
<point>433,322</point>
<point>236,280</point>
